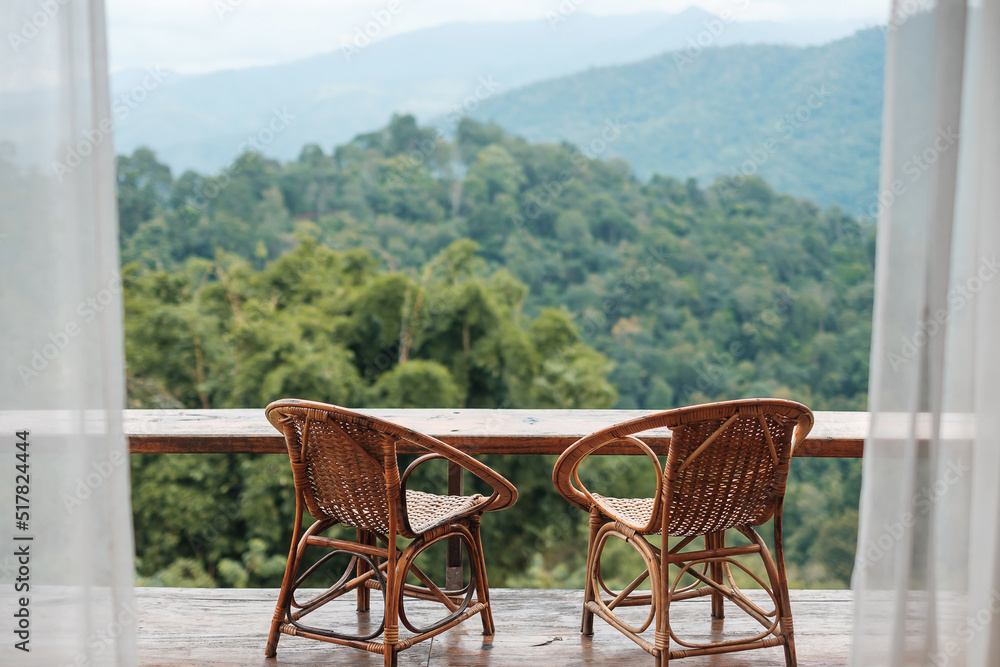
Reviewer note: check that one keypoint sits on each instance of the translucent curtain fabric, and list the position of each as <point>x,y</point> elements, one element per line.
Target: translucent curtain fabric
<point>66,572</point>
<point>927,575</point>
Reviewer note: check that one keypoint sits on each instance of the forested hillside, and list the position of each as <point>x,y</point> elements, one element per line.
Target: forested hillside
<point>411,271</point>
<point>806,119</point>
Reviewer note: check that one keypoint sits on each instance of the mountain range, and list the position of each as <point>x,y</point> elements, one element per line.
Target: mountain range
<point>807,119</point>
<point>202,122</point>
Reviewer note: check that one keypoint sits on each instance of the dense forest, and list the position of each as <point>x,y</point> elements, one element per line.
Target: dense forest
<point>407,269</point>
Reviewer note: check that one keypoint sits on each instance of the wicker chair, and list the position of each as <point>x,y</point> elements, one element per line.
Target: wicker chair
<point>726,468</point>
<point>345,471</point>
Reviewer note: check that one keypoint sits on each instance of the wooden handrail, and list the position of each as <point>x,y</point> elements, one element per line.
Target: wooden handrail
<point>476,431</point>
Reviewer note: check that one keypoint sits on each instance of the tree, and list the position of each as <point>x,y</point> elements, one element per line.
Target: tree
<point>522,275</point>
<point>143,188</point>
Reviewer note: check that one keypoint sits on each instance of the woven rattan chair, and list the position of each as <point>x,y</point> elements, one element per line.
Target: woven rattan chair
<point>345,471</point>
<point>726,467</point>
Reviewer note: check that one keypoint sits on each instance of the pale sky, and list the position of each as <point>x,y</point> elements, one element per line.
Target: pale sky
<point>192,36</point>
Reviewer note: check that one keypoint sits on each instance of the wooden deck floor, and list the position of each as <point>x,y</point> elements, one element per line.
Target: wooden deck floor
<point>229,627</point>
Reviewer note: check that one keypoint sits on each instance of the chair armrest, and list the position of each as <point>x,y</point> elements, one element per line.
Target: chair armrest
<point>413,466</point>
<point>565,473</point>
<point>504,493</point>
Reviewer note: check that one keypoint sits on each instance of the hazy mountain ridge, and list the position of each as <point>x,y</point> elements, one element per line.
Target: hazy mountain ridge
<point>806,119</point>
<point>199,122</point>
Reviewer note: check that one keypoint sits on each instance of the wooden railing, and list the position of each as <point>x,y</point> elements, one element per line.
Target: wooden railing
<point>534,432</point>
<point>836,434</point>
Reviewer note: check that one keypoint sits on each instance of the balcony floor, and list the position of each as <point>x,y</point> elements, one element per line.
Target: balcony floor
<point>197,626</point>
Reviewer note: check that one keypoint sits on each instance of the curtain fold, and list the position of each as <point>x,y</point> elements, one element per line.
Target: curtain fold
<point>66,562</point>
<point>926,578</point>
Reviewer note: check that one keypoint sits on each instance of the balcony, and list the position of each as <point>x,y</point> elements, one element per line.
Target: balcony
<point>183,626</point>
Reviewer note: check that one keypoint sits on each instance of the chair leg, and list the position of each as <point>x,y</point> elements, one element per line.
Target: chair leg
<point>779,585</point>
<point>785,617</point>
<point>717,540</point>
<point>280,608</point>
<point>395,578</point>
<point>587,623</point>
<point>364,593</point>
<point>787,627</point>
<point>663,620</point>
<point>790,651</point>
<point>287,582</point>
<point>478,561</point>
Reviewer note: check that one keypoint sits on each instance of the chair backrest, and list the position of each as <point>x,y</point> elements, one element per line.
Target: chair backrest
<point>341,461</point>
<point>727,463</point>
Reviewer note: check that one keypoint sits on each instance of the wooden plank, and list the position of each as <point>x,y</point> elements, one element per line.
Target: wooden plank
<point>229,627</point>
<point>476,431</point>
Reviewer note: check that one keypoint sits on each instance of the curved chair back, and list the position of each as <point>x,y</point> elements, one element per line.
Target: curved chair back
<point>344,464</point>
<point>340,461</point>
<point>726,466</point>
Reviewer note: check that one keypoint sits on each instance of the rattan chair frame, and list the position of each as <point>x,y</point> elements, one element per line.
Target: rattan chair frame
<point>698,498</point>
<point>345,469</point>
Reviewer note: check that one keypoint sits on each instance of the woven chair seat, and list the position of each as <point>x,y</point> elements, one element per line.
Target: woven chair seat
<point>427,510</point>
<point>630,511</point>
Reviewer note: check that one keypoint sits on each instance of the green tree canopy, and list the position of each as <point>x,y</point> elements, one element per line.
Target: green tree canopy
<point>405,269</point>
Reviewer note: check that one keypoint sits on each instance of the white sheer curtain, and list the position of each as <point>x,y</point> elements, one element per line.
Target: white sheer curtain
<point>62,351</point>
<point>927,576</point>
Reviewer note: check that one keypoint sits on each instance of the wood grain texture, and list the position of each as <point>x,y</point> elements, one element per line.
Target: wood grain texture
<point>223,627</point>
<point>475,431</point>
